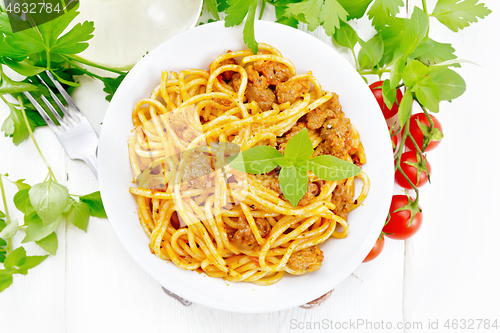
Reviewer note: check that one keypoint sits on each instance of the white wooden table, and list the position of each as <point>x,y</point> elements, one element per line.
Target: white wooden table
<point>449,270</point>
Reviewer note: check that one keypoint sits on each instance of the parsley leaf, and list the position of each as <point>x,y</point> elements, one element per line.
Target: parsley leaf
<point>329,13</point>
<point>355,8</point>
<point>236,12</point>
<point>382,11</point>
<point>432,52</point>
<point>111,85</point>
<point>212,8</point>
<point>458,14</point>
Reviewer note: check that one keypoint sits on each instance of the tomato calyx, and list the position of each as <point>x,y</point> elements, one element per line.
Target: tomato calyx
<point>421,166</point>
<point>411,206</point>
<point>430,133</point>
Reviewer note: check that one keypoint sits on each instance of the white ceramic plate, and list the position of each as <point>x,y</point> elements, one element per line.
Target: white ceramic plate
<point>196,48</point>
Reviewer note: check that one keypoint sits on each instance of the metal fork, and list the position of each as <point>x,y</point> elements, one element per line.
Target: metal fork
<point>75,134</point>
<point>74,131</point>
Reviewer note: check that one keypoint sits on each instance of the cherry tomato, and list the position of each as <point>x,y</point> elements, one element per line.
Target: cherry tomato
<point>377,248</point>
<point>394,140</point>
<point>417,134</point>
<point>376,88</point>
<point>416,175</point>
<point>398,225</point>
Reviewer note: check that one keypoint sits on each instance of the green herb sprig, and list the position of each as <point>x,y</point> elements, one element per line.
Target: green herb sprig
<point>45,206</point>
<point>295,164</point>
<point>401,49</point>
<point>38,48</point>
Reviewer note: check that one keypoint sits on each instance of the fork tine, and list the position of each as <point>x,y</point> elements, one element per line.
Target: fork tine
<point>64,94</point>
<point>41,111</point>
<point>56,99</point>
<point>54,111</point>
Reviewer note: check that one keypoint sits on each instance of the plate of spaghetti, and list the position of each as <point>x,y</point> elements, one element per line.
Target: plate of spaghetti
<point>290,225</point>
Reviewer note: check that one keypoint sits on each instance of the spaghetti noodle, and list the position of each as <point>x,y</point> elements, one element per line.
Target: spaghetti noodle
<point>203,215</point>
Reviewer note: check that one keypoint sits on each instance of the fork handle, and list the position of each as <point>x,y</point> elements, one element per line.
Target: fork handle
<point>91,160</point>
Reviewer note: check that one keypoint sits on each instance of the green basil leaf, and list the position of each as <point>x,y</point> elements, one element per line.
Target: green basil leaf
<point>49,243</point>
<point>396,71</point>
<point>256,160</point>
<point>293,184</point>
<point>414,72</point>
<point>29,263</point>
<point>329,167</point>
<point>36,229</point>
<point>345,36</point>
<point>5,281</point>
<point>405,107</point>
<point>451,84</point>
<point>15,258</point>
<point>388,94</point>
<point>49,200</point>
<point>2,214</point>
<point>10,230</point>
<point>299,147</point>
<point>427,93</point>
<point>79,215</point>
<point>21,185</point>
<point>416,30</point>
<point>94,201</point>
<point>22,201</point>
<point>371,52</point>
<point>392,36</point>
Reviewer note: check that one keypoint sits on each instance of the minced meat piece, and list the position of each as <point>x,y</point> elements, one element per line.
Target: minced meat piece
<point>291,90</point>
<point>227,75</point>
<point>336,132</point>
<point>275,72</point>
<point>288,135</point>
<point>197,170</point>
<point>309,259</point>
<point>311,193</point>
<point>343,199</point>
<point>317,117</point>
<point>264,97</point>
<point>258,90</point>
<point>244,237</point>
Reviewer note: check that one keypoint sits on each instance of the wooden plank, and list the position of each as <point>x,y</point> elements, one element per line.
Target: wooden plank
<point>450,272</point>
